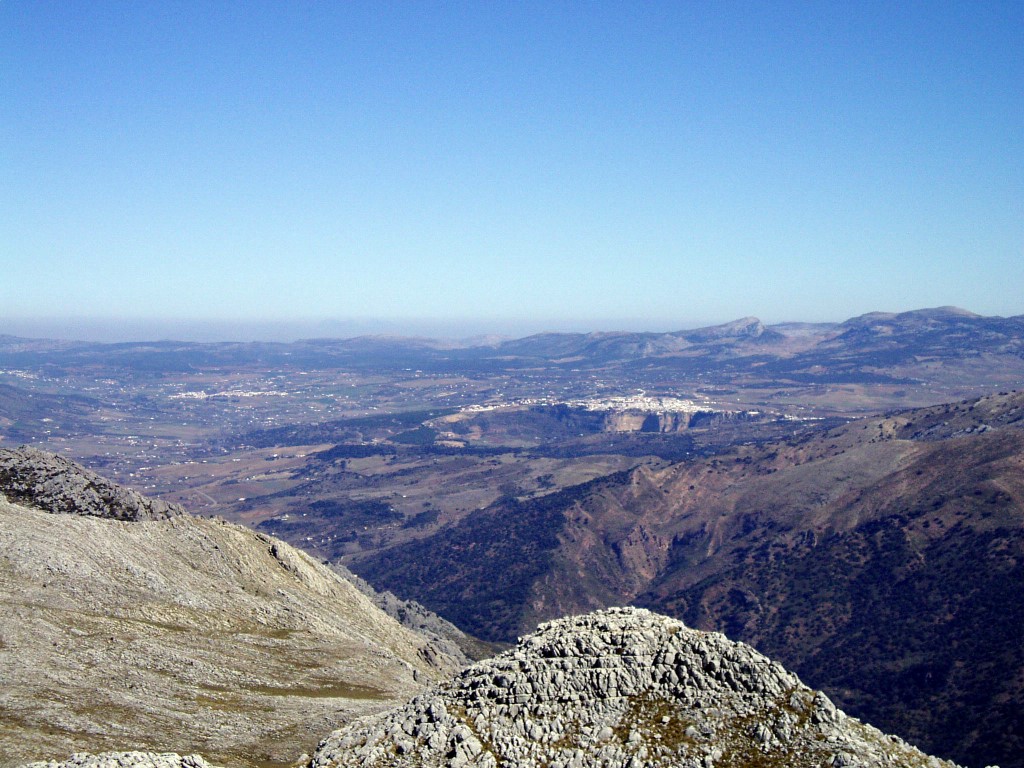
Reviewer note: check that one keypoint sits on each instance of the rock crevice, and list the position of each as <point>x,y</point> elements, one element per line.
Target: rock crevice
<point>621,688</point>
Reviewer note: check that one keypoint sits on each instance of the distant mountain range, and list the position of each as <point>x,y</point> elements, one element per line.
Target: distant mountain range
<point>943,332</point>
<point>882,560</point>
<point>866,364</point>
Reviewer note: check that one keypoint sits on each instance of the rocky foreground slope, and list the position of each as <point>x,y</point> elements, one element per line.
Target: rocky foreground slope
<point>203,637</point>
<point>621,688</point>
<point>126,760</point>
<point>118,631</point>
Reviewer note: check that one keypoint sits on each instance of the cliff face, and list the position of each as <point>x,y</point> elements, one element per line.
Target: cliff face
<point>622,688</point>
<point>639,421</point>
<point>669,421</point>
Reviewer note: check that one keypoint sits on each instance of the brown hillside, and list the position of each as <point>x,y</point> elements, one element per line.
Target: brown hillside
<point>882,560</point>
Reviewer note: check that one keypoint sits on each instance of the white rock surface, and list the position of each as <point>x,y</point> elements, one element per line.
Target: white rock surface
<point>623,688</point>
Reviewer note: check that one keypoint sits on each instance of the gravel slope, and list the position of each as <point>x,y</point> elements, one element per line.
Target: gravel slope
<point>185,634</point>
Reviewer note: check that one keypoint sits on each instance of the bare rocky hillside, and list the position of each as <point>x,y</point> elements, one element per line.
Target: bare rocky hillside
<point>622,688</point>
<point>180,634</point>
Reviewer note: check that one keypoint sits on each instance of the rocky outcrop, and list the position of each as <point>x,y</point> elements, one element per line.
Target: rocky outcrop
<point>744,328</point>
<point>49,482</point>
<point>646,421</point>
<point>621,688</point>
<point>667,422</point>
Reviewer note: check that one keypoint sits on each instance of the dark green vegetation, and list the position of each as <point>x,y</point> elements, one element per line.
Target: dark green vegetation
<point>911,618</point>
<point>883,561</point>
<point>345,518</point>
<point>356,429</point>
<point>491,561</point>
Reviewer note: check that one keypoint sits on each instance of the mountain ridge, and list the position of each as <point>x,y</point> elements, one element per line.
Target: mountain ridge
<point>179,632</point>
<point>552,344</point>
<point>909,525</point>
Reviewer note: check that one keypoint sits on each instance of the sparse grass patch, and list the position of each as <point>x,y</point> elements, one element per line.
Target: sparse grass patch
<point>657,720</point>
<point>325,690</point>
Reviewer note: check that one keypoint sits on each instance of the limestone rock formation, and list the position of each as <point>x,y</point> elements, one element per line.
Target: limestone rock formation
<point>50,482</point>
<point>622,688</point>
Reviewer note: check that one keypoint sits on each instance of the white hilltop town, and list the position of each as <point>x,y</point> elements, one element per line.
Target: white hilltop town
<point>637,402</point>
<point>202,395</point>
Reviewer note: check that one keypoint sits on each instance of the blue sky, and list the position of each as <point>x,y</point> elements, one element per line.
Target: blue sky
<point>508,166</point>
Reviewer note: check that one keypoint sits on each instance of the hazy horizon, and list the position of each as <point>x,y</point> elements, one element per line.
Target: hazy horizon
<point>210,330</point>
<point>110,329</point>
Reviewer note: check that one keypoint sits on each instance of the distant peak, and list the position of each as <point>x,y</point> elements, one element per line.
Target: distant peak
<point>946,311</point>
<point>745,327</point>
<point>932,313</point>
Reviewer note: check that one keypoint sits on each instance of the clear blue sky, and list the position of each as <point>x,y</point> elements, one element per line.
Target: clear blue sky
<point>557,165</point>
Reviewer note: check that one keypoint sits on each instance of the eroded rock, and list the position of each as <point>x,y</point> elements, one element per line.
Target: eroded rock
<point>617,689</point>
<point>126,760</point>
<point>52,483</point>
